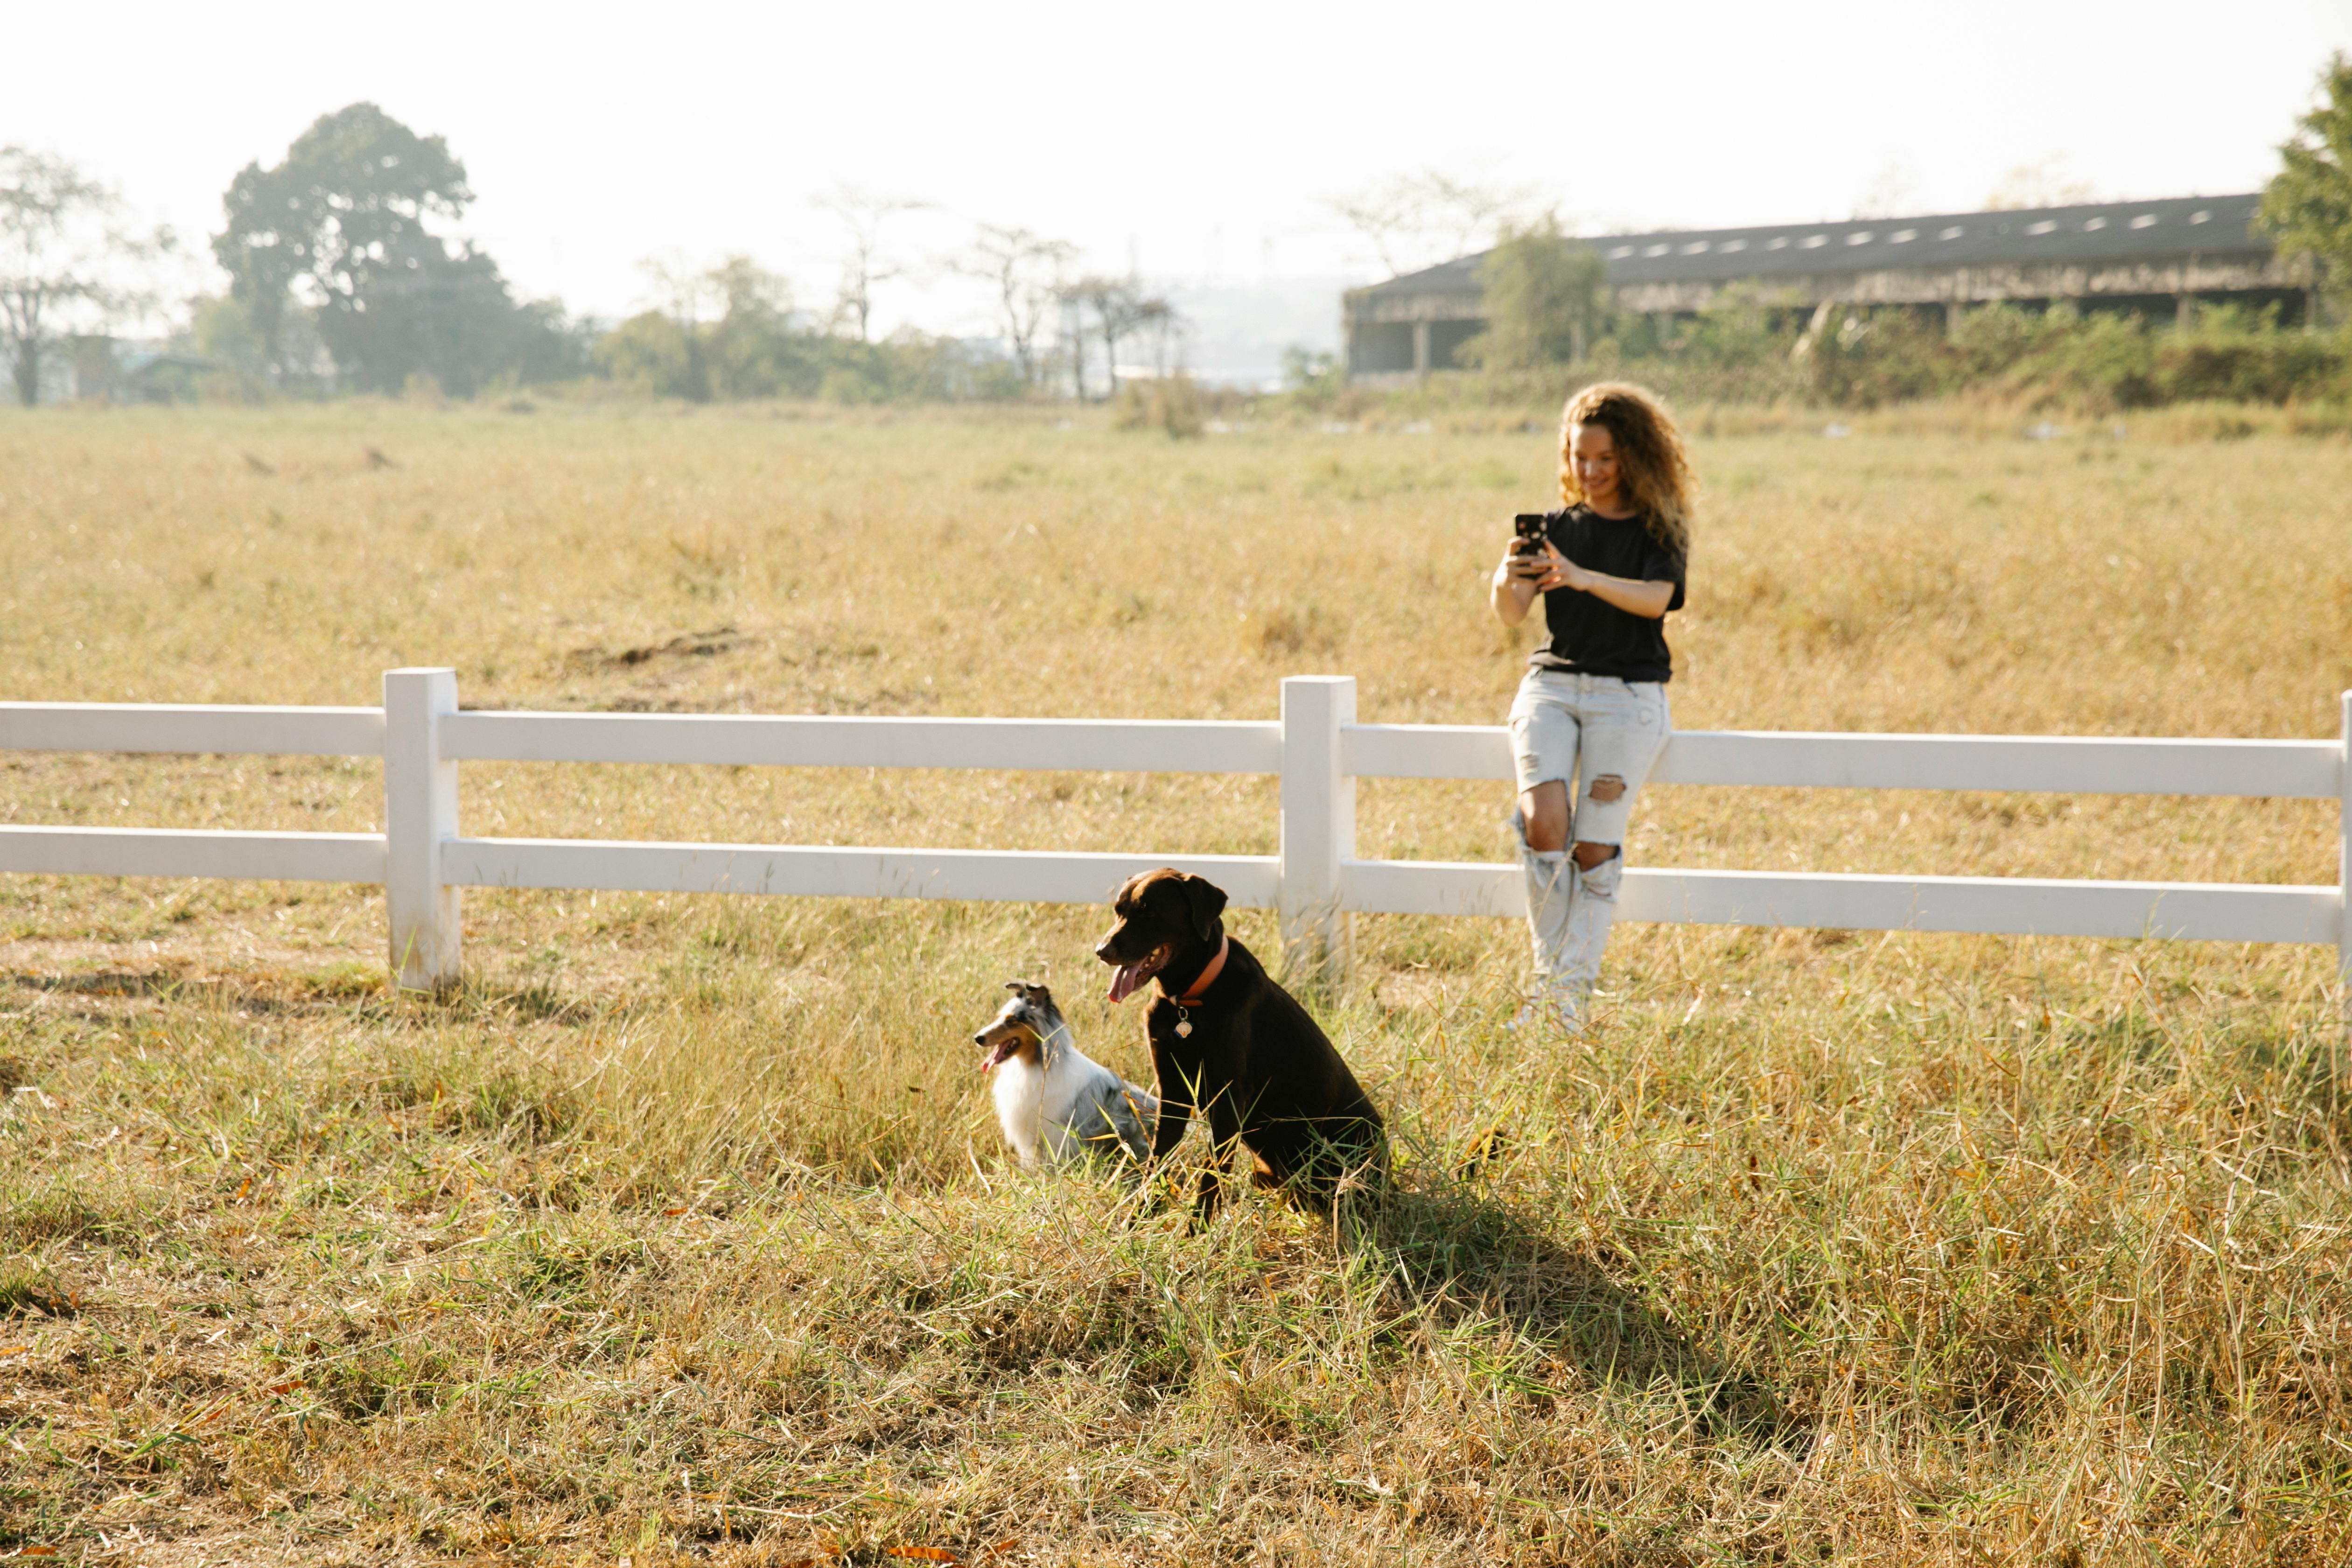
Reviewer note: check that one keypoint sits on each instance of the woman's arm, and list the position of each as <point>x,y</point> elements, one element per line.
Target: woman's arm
<point>1512,590</point>
<point>1646,599</point>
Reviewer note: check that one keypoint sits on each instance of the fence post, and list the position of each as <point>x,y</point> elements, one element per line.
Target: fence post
<point>420,811</point>
<point>2344,869</point>
<point>1319,823</point>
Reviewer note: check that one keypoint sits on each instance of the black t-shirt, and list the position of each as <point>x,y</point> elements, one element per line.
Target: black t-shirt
<point>1591,636</point>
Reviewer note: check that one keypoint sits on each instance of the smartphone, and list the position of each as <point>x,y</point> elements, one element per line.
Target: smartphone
<point>1530,528</point>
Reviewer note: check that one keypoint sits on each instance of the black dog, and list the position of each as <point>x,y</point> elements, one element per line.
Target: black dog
<point>1228,1042</point>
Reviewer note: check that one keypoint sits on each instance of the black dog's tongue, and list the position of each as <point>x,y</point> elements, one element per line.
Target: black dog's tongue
<point>1125,978</point>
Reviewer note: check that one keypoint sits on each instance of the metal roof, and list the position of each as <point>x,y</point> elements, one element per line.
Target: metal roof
<point>2101,232</point>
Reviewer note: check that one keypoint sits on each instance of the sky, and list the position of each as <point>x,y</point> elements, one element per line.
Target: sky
<point>1199,143</point>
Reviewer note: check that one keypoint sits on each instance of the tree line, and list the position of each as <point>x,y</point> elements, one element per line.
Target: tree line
<point>341,278</point>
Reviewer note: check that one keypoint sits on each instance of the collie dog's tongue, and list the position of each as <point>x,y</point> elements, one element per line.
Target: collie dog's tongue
<point>1128,976</point>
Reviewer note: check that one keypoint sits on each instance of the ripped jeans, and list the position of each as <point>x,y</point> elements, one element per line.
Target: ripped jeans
<point>1581,729</point>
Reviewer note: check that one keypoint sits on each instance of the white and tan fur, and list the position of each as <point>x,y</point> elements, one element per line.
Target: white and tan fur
<point>1052,1098</point>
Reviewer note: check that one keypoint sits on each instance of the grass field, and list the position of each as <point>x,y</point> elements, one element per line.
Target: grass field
<point>683,1233</point>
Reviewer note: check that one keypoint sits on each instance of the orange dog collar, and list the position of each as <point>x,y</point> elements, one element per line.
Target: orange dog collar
<point>1208,976</point>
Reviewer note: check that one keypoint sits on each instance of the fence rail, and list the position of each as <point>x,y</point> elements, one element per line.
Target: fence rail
<point>194,852</point>
<point>1315,749</point>
<point>1082,745</point>
<point>202,729</point>
<point>2304,770</point>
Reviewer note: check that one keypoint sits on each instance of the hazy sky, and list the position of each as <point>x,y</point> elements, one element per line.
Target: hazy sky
<point>1197,141</point>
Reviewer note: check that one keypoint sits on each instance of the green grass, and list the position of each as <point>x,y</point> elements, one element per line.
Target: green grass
<point>684,1234</point>
<point>1824,1262</point>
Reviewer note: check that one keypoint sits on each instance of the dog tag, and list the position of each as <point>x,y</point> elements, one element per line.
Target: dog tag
<point>1183,1028</point>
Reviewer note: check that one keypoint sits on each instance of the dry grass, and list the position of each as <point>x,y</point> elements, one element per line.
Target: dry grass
<point>684,1233</point>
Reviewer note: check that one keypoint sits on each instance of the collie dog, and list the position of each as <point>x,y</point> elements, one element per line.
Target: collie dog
<point>1050,1096</point>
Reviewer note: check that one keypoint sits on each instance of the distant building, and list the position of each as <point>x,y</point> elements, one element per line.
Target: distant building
<point>93,366</point>
<point>2148,257</point>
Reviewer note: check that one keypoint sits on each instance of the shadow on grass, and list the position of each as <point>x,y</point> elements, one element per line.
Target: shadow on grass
<point>496,1001</point>
<point>39,1210</point>
<point>363,990</point>
<point>27,1294</point>
<point>338,989</point>
<point>1463,1257</point>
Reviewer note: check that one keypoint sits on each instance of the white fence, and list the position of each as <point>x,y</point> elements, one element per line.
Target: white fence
<point>422,857</point>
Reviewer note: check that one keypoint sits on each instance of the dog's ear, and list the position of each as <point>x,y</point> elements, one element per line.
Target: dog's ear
<point>1020,985</point>
<point>1207,901</point>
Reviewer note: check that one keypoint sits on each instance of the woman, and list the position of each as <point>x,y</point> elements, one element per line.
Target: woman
<point>1592,706</point>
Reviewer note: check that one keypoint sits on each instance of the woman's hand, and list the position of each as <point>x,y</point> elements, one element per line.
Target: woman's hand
<point>1524,567</point>
<point>1646,599</point>
<point>1512,590</point>
<point>1552,570</point>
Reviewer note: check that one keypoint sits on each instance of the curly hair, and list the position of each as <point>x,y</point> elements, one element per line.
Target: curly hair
<point>1654,471</point>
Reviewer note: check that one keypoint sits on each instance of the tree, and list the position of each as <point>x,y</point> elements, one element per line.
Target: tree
<point>1412,221</point>
<point>683,295</point>
<point>340,228</point>
<point>1026,273</point>
<point>1120,309</point>
<point>61,248</point>
<point>1545,300</point>
<point>350,201</point>
<point>651,350</point>
<point>1166,327</point>
<point>220,330</point>
<point>2307,207</point>
<point>1074,333</point>
<point>427,311</point>
<point>865,266</point>
<point>722,332</point>
<point>1316,375</point>
<point>755,351</point>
